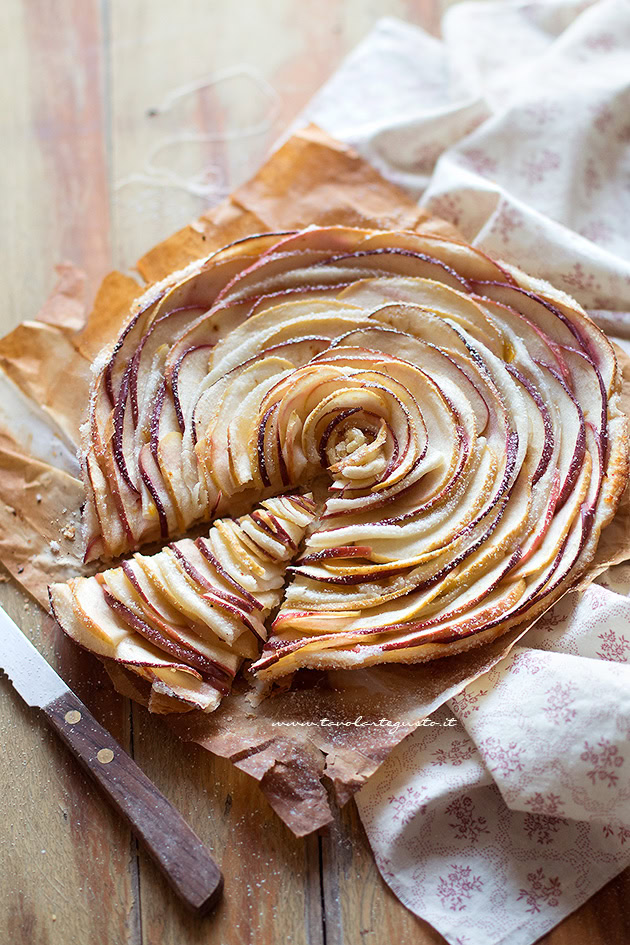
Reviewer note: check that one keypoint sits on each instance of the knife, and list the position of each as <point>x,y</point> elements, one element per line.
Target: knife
<point>166,836</point>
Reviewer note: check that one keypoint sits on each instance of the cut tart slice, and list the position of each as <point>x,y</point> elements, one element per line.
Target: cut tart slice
<point>183,619</point>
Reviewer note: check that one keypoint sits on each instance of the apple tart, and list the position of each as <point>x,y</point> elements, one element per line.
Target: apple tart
<point>459,418</point>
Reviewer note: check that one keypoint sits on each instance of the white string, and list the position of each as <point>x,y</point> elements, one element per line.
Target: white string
<point>205,184</point>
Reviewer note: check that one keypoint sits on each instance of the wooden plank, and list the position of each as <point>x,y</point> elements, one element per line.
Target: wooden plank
<point>66,860</point>
<point>51,124</point>
<point>271,878</point>
<point>360,908</point>
<point>156,59</point>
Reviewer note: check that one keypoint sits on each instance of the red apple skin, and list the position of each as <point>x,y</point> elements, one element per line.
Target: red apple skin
<point>108,371</point>
<point>580,448</point>
<point>199,578</point>
<point>558,574</point>
<point>276,649</point>
<point>93,549</point>
<point>239,608</point>
<point>282,246</point>
<point>584,343</point>
<point>146,459</point>
<point>120,508</point>
<point>159,620</point>
<point>117,438</point>
<point>224,574</point>
<point>547,422</point>
<point>238,613</point>
<point>547,518</point>
<point>462,284</point>
<point>303,502</point>
<point>278,533</point>
<point>221,677</point>
<point>208,669</point>
<point>174,380</point>
<point>107,658</point>
<point>175,321</point>
<point>387,500</point>
<point>342,551</point>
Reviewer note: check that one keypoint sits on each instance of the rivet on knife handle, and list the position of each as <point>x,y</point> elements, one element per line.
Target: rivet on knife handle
<point>166,836</point>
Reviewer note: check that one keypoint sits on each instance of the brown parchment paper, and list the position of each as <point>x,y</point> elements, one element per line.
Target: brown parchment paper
<point>328,730</point>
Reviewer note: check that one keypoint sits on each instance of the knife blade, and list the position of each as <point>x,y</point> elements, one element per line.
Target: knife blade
<point>166,836</point>
<point>32,675</point>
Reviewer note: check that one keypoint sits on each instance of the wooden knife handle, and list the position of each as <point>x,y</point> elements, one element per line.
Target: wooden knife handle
<point>176,849</point>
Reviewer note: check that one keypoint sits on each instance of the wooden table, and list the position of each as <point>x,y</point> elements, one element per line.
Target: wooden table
<point>99,117</point>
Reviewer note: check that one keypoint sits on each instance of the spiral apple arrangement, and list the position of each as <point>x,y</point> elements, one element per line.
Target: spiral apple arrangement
<point>458,419</point>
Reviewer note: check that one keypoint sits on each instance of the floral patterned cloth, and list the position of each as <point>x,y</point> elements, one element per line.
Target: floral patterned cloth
<point>516,128</point>
<point>496,827</point>
<point>504,818</point>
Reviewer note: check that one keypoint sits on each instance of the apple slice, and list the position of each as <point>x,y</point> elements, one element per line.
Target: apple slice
<point>138,659</point>
<point>133,604</point>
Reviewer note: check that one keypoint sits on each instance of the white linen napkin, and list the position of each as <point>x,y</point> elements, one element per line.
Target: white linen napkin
<point>516,127</point>
<point>496,828</point>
